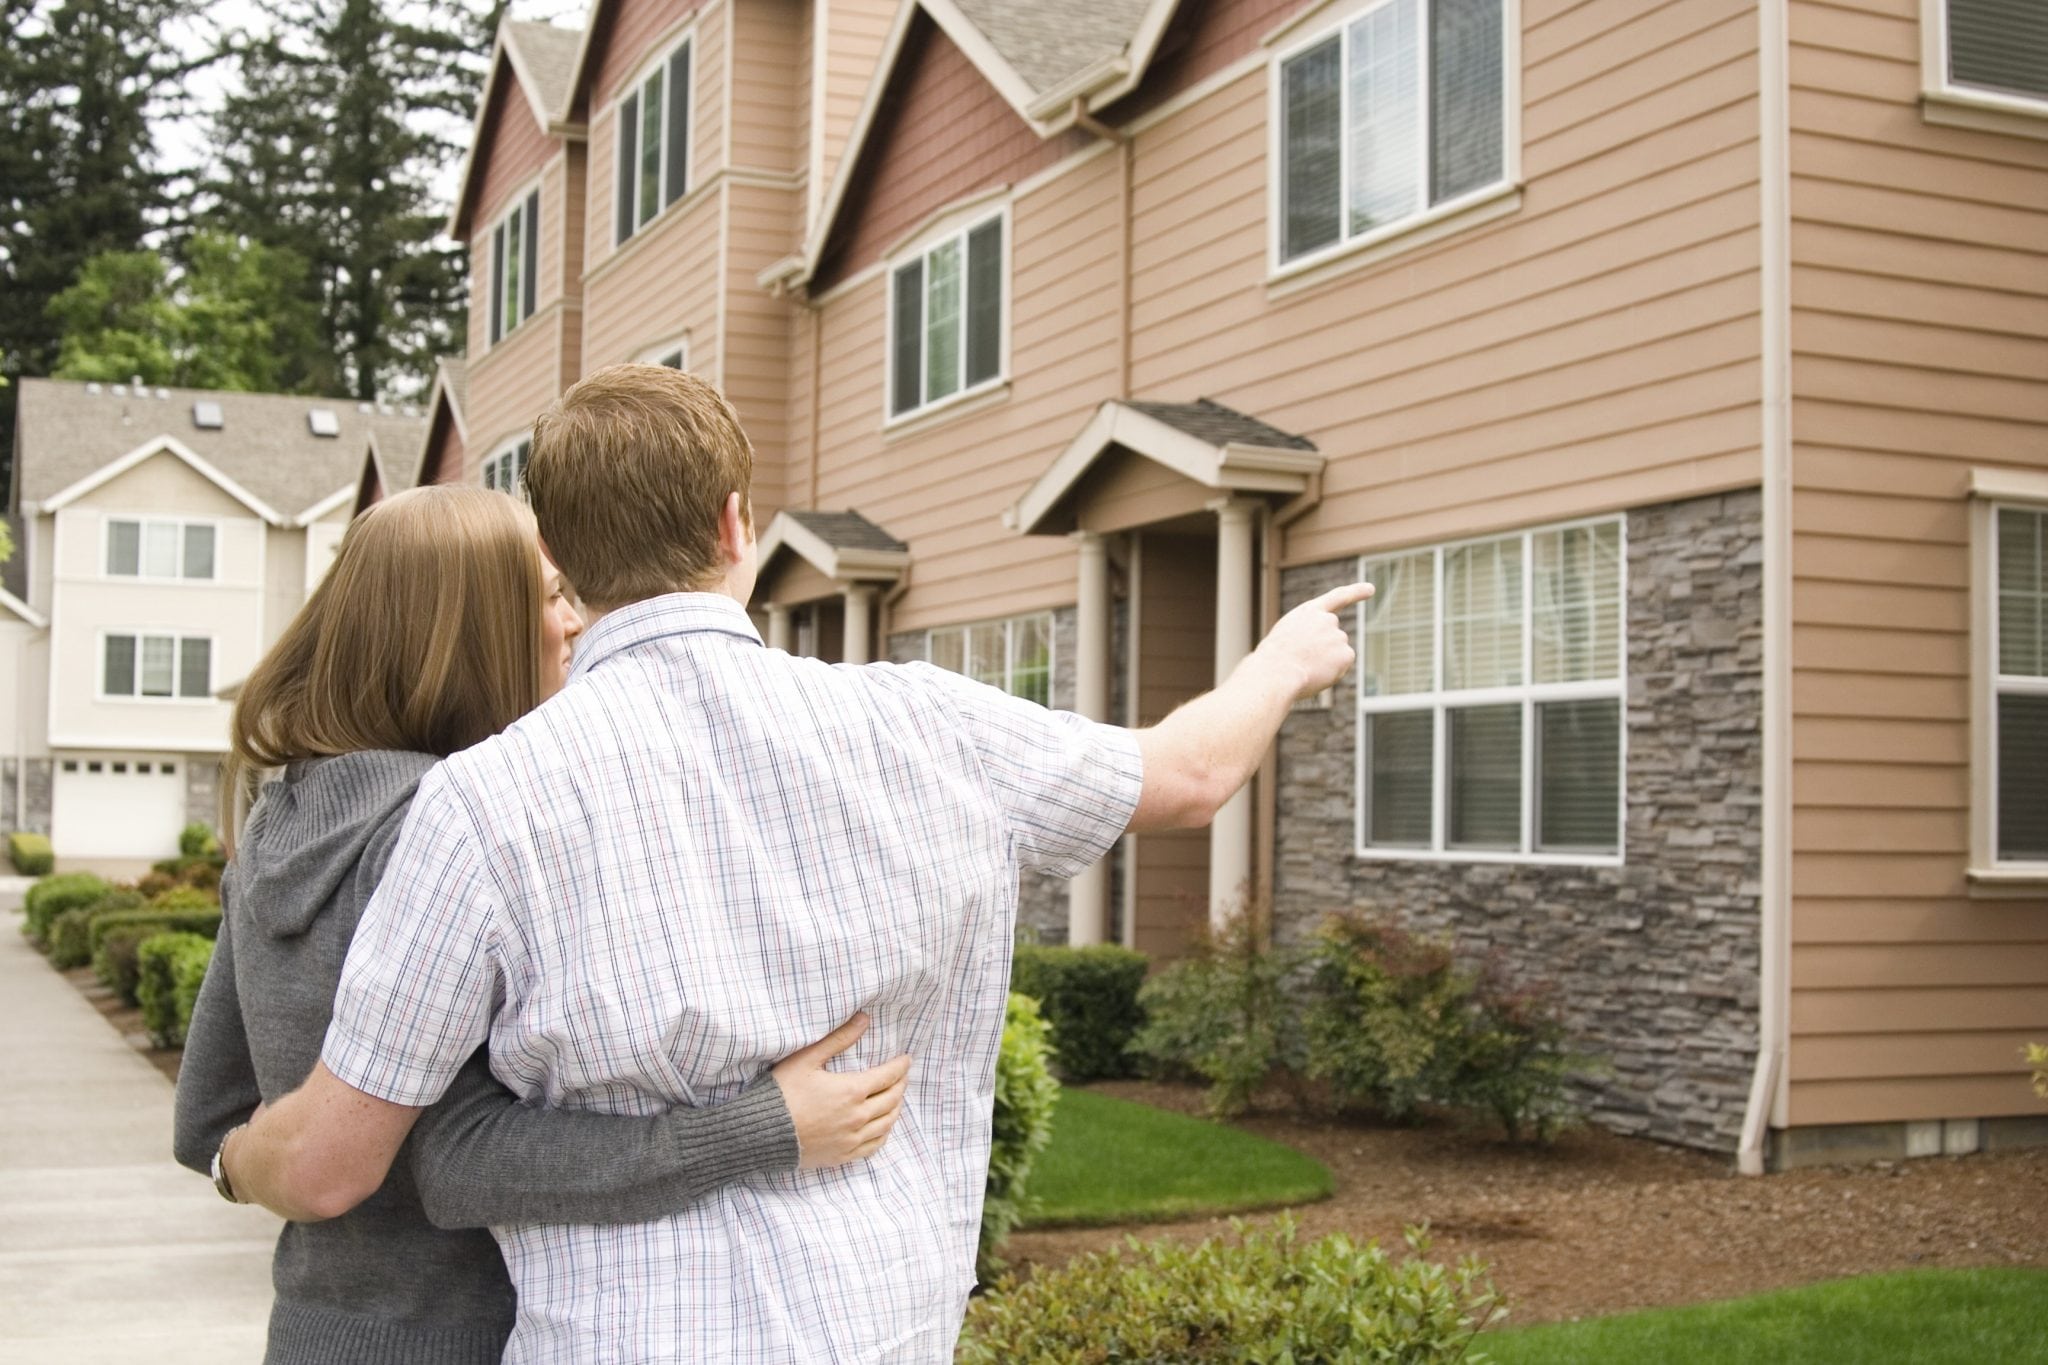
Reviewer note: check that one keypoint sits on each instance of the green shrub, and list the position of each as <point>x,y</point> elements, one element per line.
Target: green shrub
<point>1026,1095</point>
<point>70,936</point>
<point>197,840</point>
<point>113,958</point>
<point>1255,1297</point>
<point>1090,997</point>
<point>52,896</point>
<point>31,854</point>
<point>184,899</point>
<point>1517,1063</point>
<point>1225,1013</point>
<point>201,872</point>
<point>1387,1021</point>
<point>169,970</point>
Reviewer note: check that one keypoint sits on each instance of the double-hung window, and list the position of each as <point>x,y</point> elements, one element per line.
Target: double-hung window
<point>1993,50</point>
<point>153,548</point>
<point>2019,685</point>
<point>1490,698</point>
<point>946,318</point>
<point>506,470</point>
<point>157,666</point>
<point>1014,655</point>
<point>1400,110</point>
<point>515,261</point>
<point>654,143</point>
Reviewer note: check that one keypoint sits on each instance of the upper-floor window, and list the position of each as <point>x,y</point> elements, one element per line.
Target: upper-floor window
<point>2019,712</point>
<point>1996,47</point>
<point>946,318</point>
<point>506,470</point>
<point>1490,688</point>
<point>146,665</point>
<point>152,548</point>
<point>1015,654</point>
<point>1399,110</point>
<point>675,355</point>
<point>515,266</point>
<point>654,143</point>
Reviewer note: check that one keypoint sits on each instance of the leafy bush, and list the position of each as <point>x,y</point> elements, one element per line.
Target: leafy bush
<point>1257,1297</point>
<point>197,840</point>
<point>31,854</point>
<point>1518,1062</point>
<point>1026,1094</point>
<point>70,936</point>
<point>201,872</point>
<point>113,958</point>
<point>1386,1024</point>
<point>1090,997</point>
<point>52,896</point>
<point>2037,1058</point>
<point>169,971</point>
<point>1224,1013</point>
<point>183,900</point>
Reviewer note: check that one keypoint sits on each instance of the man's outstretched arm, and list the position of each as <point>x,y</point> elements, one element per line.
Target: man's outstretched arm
<point>1197,758</point>
<point>319,1151</point>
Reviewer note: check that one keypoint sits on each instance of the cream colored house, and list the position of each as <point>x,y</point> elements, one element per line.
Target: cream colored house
<point>169,536</point>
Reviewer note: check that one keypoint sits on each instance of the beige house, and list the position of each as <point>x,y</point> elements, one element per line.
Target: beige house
<point>169,535</point>
<point>1676,371</point>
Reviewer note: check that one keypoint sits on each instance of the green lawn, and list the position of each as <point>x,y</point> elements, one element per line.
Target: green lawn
<point>1926,1317</point>
<point>1112,1161</point>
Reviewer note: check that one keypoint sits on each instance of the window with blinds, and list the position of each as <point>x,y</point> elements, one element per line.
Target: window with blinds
<point>1401,109</point>
<point>653,158</point>
<point>2020,712</point>
<point>1490,698</point>
<point>1998,46</point>
<point>946,319</point>
<point>515,266</point>
<point>506,470</point>
<point>157,667</point>
<point>1014,654</point>
<point>150,548</point>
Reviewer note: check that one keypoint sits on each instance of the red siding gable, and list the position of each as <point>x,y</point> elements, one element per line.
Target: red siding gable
<point>943,132</point>
<point>1203,37</point>
<point>511,150</point>
<point>620,44</point>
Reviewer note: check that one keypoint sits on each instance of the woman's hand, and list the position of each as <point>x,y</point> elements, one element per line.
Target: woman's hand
<point>840,1116</point>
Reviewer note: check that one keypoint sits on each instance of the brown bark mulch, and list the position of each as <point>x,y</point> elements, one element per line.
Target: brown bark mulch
<point>1599,1223</point>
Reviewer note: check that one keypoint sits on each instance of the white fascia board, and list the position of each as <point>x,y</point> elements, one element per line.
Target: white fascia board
<point>476,137</point>
<point>339,497</point>
<point>160,445</point>
<point>23,610</point>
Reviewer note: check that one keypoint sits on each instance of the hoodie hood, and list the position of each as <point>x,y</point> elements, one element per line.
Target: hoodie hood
<point>310,828</point>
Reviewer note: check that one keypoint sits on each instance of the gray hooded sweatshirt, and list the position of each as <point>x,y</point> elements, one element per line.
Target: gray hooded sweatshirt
<point>410,1276</point>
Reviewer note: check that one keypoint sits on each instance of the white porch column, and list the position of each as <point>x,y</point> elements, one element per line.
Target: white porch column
<point>860,615</point>
<point>1230,836</point>
<point>1088,894</point>
<point>779,634</point>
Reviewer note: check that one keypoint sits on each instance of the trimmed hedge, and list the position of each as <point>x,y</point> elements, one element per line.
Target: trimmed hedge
<point>1260,1296</point>
<point>70,936</point>
<point>169,971</point>
<point>52,896</point>
<point>31,854</point>
<point>1090,997</point>
<point>116,937</point>
<point>201,873</point>
<point>1026,1095</point>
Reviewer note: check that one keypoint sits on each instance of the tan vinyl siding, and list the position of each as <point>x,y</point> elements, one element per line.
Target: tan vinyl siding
<point>1920,343</point>
<point>641,30</point>
<point>510,385</point>
<point>755,356</point>
<point>857,29</point>
<point>664,284</point>
<point>768,71</point>
<point>1177,661</point>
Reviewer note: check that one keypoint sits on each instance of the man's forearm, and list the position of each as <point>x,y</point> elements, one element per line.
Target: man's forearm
<point>318,1152</point>
<point>1199,756</point>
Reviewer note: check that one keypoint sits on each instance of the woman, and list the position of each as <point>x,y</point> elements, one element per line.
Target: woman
<point>439,624</point>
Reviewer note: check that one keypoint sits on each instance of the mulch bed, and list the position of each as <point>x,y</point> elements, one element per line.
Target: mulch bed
<point>1599,1224</point>
<point>126,1020</point>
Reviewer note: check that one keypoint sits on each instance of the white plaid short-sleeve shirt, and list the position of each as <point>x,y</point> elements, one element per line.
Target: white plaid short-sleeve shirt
<point>701,856</point>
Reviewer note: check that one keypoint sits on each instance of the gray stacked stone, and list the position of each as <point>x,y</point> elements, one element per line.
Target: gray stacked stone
<point>37,776</point>
<point>202,791</point>
<point>1656,960</point>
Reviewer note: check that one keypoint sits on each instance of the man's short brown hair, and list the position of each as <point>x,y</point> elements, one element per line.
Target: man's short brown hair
<point>629,471</point>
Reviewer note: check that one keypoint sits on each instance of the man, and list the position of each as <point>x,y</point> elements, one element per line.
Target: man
<point>702,854</point>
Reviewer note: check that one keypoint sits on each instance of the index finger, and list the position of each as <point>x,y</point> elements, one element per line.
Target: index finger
<point>1350,595</point>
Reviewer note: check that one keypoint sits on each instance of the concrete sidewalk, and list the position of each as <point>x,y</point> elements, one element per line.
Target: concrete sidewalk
<point>109,1251</point>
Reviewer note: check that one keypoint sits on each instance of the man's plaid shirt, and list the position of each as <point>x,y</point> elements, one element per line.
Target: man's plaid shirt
<point>699,857</point>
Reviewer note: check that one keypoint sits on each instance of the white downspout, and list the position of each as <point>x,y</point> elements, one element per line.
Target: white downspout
<point>1768,1087</point>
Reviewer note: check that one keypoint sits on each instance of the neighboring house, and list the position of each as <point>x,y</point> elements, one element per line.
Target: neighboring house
<point>24,674</point>
<point>169,536</point>
<point>1676,372</point>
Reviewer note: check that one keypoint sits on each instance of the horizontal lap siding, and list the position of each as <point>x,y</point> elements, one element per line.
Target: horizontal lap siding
<point>664,285</point>
<point>510,384</point>
<point>514,150</point>
<point>1596,349</point>
<point>856,31</point>
<point>770,70</point>
<point>759,333</point>
<point>1920,346</point>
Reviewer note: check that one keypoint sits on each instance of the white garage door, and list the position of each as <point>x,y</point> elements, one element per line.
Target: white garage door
<point>117,806</point>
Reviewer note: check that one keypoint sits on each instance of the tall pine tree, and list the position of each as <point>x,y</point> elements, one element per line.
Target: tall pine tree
<point>346,116</point>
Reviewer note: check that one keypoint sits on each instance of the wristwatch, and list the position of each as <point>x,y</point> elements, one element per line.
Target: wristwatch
<point>220,1166</point>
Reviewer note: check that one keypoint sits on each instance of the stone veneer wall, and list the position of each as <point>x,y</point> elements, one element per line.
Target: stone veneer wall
<point>1657,959</point>
<point>35,814</point>
<point>202,791</point>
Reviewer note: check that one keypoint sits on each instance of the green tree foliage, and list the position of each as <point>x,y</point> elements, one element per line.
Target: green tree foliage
<point>236,315</point>
<point>346,116</point>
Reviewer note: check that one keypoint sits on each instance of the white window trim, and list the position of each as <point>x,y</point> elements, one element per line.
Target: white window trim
<point>654,354</point>
<point>1530,694</point>
<point>506,450</point>
<point>952,227</point>
<point>177,580</point>
<point>497,285</point>
<point>687,38</point>
<point>1968,106</point>
<point>1009,625</point>
<point>178,639</point>
<point>1991,489</point>
<point>1500,197</point>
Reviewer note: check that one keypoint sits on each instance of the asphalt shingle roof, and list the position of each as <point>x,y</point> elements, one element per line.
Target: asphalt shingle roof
<point>846,530</point>
<point>395,442</point>
<point>1051,40</point>
<point>1220,426</point>
<point>265,444</point>
<point>548,55</point>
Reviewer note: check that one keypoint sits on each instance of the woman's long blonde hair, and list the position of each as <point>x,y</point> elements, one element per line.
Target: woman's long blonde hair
<point>425,635</point>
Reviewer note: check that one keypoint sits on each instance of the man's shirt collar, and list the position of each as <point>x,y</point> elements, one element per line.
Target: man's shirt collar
<point>639,623</point>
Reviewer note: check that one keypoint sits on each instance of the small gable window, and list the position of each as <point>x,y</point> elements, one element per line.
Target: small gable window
<point>653,143</point>
<point>1997,47</point>
<point>506,470</point>
<point>946,319</point>
<point>515,266</point>
<point>150,548</point>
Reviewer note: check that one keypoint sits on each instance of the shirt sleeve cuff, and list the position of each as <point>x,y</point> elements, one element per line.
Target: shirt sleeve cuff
<point>358,1063</point>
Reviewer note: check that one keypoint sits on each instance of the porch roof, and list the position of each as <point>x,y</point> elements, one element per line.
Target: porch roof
<point>843,546</point>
